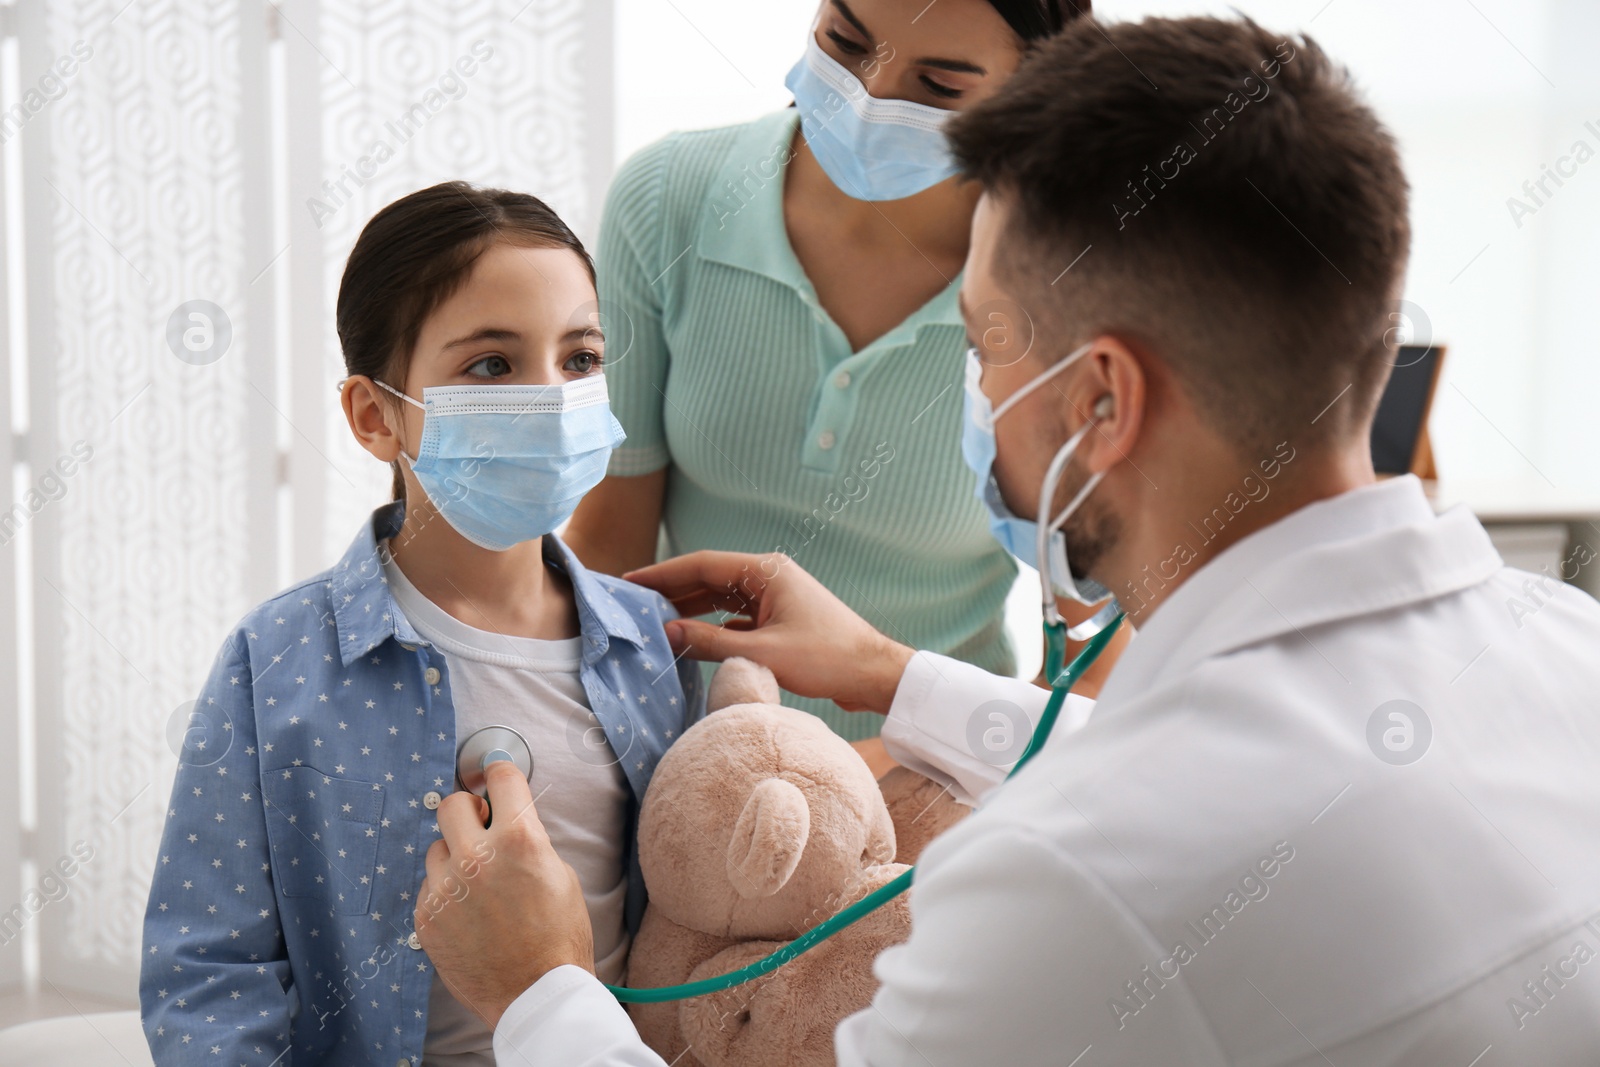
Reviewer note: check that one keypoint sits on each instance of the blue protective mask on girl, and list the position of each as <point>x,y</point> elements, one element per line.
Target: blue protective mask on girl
<point>507,463</point>
<point>871,149</point>
<point>1020,536</point>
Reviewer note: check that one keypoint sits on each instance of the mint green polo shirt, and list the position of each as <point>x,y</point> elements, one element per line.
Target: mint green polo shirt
<point>724,368</point>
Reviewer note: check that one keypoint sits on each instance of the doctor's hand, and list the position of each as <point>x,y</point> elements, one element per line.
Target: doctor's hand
<point>783,619</point>
<point>498,908</point>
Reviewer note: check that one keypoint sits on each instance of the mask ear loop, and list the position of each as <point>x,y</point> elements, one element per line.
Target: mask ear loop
<point>1011,401</point>
<point>1055,626</point>
<point>409,400</point>
<point>1044,528</point>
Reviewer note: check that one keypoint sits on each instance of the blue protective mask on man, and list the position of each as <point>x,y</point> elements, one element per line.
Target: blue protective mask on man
<point>1020,536</point>
<point>507,463</point>
<point>872,149</point>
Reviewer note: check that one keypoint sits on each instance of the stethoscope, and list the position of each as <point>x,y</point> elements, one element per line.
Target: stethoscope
<point>1056,633</point>
<point>492,744</point>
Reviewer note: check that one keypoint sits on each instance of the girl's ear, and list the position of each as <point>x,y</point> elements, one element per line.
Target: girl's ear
<point>368,413</point>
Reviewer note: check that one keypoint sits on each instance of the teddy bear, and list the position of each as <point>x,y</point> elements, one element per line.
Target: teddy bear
<point>758,824</point>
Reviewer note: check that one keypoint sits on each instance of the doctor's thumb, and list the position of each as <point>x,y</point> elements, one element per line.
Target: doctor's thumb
<point>702,640</point>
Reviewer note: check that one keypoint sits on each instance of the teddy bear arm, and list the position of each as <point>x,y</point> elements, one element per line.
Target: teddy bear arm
<point>787,1018</point>
<point>665,953</point>
<point>920,810</point>
<point>750,1023</point>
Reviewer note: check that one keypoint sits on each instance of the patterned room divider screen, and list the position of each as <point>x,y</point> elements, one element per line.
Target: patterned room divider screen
<point>187,177</point>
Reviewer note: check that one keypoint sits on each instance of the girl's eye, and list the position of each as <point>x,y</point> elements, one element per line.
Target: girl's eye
<point>944,92</point>
<point>583,362</point>
<point>846,45</point>
<point>490,367</point>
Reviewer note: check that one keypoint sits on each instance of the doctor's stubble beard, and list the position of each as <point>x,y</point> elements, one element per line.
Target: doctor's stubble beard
<point>1090,532</point>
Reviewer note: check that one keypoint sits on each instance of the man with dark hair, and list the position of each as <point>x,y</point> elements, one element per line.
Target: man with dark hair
<point>1244,219</point>
<point>1336,802</point>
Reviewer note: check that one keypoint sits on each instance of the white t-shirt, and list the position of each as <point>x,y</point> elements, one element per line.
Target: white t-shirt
<point>532,686</point>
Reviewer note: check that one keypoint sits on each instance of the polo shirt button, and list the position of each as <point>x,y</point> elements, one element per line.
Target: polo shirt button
<point>430,799</point>
<point>414,942</point>
<point>825,440</point>
<point>431,676</point>
<point>842,379</point>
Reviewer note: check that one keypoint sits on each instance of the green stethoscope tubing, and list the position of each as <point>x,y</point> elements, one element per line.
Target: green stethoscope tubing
<point>1055,636</point>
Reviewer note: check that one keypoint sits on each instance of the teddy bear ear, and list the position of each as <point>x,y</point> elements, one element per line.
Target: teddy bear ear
<point>768,838</point>
<point>741,681</point>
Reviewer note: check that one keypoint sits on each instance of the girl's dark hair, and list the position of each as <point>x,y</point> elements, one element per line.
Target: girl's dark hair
<point>414,254</point>
<point>1034,20</point>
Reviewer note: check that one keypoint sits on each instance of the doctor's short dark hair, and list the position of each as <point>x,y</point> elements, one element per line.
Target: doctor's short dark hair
<point>1225,201</point>
<point>1034,20</point>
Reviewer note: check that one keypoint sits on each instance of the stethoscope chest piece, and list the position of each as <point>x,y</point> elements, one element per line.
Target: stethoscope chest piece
<point>486,746</point>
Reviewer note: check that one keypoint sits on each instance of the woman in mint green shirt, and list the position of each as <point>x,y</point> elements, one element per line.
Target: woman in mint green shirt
<point>787,357</point>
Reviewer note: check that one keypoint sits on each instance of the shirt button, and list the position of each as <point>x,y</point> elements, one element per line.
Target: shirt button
<point>825,440</point>
<point>430,799</point>
<point>842,379</point>
<point>415,942</point>
<point>408,647</point>
<point>431,676</point>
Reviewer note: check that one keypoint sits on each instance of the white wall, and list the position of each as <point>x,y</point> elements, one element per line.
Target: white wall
<point>691,64</point>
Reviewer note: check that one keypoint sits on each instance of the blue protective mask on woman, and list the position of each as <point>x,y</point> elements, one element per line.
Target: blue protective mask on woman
<point>507,463</point>
<point>871,149</point>
<point>1020,536</point>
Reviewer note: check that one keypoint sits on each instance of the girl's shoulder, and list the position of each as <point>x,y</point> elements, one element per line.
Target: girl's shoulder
<point>310,598</point>
<point>301,611</point>
<point>639,602</point>
<point>353,589</point>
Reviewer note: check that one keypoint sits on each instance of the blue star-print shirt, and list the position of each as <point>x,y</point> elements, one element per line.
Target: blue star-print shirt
<point>279,926</point>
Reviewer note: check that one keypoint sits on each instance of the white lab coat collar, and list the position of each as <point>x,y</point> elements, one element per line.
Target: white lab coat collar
<point>1366,550</point>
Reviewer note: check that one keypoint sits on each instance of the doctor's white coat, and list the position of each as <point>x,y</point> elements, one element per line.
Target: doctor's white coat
<point>1338,803</point>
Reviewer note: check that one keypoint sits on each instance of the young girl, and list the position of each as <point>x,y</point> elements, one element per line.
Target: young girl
<point>279,927</point>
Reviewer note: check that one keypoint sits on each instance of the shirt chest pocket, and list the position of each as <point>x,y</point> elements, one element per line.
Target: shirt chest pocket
<point>324,835</point>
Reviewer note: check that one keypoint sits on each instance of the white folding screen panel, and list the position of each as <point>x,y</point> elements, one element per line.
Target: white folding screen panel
<point>12,938</point>
<point>150,459</point>
<point>201,159</point>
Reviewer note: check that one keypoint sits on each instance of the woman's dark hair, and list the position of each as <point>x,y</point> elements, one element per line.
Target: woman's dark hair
<point>1034,20</point>
<point>414,254</point>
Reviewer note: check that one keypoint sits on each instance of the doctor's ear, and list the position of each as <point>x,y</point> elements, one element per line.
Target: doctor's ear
<point>1117,379</point>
